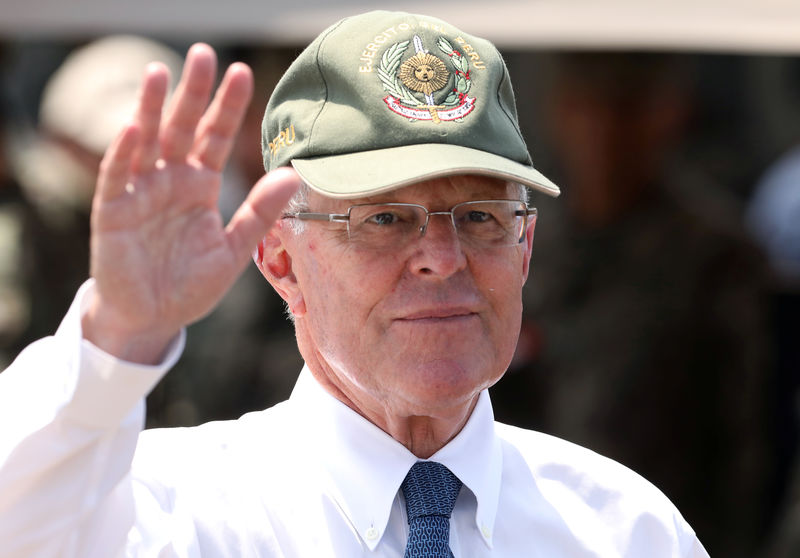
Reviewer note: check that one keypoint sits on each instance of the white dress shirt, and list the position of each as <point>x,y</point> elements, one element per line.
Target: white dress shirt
<point>308,477</point>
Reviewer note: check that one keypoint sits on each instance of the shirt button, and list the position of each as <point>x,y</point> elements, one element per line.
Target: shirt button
<point>371,534</point>
<point>485,531</point>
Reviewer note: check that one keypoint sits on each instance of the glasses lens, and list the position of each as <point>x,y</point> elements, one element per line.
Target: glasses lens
<point>384,225</point>
<point>490,222</point>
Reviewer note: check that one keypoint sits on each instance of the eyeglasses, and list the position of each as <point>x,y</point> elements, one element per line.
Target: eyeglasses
<point>483,223</point>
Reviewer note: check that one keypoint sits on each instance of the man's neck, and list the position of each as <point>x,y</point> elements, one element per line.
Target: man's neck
<point>422,435</point>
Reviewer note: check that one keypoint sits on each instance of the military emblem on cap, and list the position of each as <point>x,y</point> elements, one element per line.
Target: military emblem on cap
<point>421,87</point>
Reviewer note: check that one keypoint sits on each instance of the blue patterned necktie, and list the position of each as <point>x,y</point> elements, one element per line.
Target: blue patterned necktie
<point>430,490</point>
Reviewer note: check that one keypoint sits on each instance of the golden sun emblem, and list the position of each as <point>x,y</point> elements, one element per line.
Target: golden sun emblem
<point>424,73</point>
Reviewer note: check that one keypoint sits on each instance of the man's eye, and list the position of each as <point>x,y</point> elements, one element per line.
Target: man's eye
<point>384,218</point>
<point>478,216</point>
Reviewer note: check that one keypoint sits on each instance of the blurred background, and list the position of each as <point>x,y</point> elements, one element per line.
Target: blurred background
<point>662,318</point>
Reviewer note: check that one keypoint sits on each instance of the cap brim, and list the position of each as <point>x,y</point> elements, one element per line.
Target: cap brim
<point>371,172</point>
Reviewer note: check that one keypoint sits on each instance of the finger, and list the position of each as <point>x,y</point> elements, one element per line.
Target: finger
<point>258,212</point>
<point>218,127</point>
<point>148,116</point>
<point>188,102</point>
<point>115,168</point>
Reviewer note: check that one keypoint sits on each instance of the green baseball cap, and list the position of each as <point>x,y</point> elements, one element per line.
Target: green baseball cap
<point>383,100</point>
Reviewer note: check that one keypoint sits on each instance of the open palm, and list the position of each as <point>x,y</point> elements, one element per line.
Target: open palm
<point>161,255</point>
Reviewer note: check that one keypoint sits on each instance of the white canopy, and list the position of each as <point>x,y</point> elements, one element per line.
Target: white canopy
<point>739,26</point>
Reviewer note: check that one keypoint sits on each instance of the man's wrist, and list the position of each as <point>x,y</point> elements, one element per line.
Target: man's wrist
<point>110,333</point>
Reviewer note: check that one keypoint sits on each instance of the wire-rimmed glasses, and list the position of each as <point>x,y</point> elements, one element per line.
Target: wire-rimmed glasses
<point>481,223</point>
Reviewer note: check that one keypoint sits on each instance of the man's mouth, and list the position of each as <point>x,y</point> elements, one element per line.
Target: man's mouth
<point>439,315</point>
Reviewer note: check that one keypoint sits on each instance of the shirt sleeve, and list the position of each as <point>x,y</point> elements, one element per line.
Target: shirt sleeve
<point>71,415</point>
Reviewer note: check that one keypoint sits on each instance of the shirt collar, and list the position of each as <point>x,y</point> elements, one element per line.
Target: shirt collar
<point>475,457</point>
<point>365,466</point>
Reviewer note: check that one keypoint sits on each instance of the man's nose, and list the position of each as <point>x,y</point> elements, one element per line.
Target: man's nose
<point>438,252</point>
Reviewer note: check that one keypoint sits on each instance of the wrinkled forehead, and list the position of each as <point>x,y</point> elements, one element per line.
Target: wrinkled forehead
<point>446,191</point>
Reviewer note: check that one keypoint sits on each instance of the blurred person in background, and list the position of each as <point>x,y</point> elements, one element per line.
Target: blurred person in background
<point>644,330</point>
<point>773,219</point>
<point>14,299</point>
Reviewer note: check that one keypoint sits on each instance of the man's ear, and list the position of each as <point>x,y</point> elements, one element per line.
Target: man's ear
<point>528,245</point>
<point>275,264</point>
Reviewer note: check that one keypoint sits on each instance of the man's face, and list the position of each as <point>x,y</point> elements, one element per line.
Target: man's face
<point>416,331</point>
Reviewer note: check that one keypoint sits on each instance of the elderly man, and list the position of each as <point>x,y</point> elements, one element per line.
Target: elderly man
<point>401,259</point>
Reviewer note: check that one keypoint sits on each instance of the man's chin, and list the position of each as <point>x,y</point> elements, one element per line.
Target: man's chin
<point>434,340</point>
<point>443,382</point>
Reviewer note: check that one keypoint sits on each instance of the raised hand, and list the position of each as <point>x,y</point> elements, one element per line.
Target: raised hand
<point>161,255</point>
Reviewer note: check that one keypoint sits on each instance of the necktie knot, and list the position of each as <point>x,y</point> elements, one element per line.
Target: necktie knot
<point>430,490</point>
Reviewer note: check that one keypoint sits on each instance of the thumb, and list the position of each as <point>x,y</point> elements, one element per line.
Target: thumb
<point>259,211</point>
